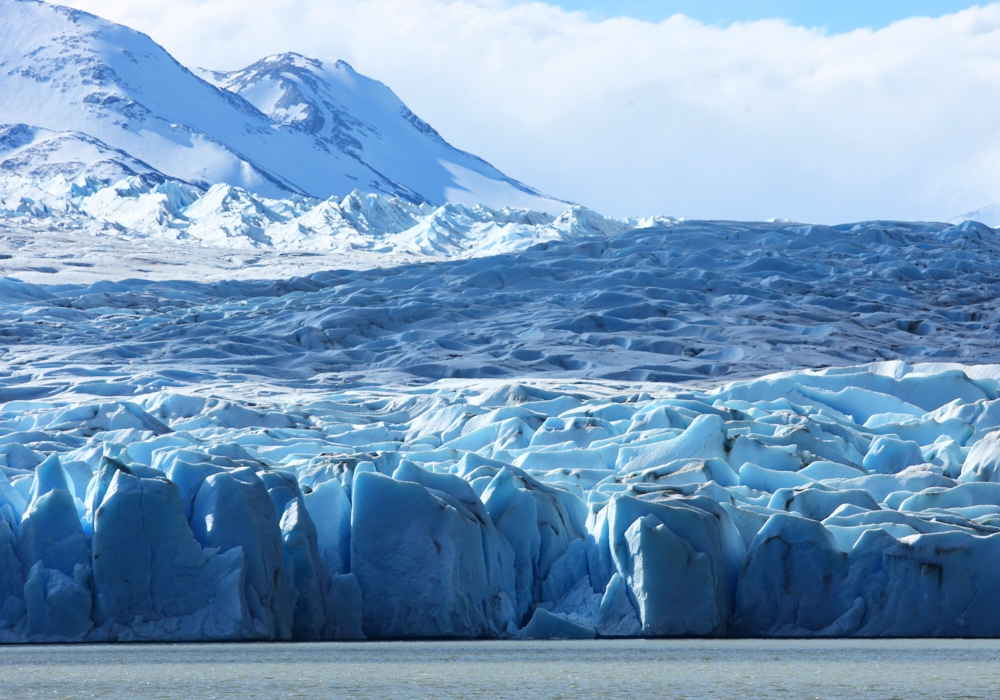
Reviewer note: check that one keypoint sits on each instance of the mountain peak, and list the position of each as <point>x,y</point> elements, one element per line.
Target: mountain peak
<point>287,124</point>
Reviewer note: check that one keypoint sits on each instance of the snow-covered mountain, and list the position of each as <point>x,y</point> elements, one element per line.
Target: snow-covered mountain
<point>84,96</point>
<point>364,118</point>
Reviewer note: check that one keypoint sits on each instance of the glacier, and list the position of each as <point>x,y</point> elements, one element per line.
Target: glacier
<point>669,430</point>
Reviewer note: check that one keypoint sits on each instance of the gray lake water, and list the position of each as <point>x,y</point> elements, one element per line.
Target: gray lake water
<point>438,670</point>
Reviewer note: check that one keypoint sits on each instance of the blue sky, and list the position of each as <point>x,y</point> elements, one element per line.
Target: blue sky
<point>836,15</point>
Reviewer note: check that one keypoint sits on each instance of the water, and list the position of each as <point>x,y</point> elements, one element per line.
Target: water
<point>438,670</point>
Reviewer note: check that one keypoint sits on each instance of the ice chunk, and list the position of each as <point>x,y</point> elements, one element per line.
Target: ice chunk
<point>983,460</point>
<point>512,509</point>
<point>705,438</point>
<point>330,510</point>
<point>817,471</point>
<point>50,475</point>
<point>776,458</point>
<point>345,609</point>
<point>51,532</point>
<point>234,512</point>
<point>705,546</point>
<point>791,580</point>
<point>58,606</point>
<point>881,485</point>
<point>769,480</point>
<point>152,579</point>
<point>889,456</point>
<point>12,606</point>
<point>9,496</point>
<point>617,616</point>
<point>943,575</point>
<point>579,430</point>
<point>433,561</point>
<point>961,496</point>
<point>309,577</point>
<point>668,579</point>
<point>565,572</point>
<point>817,502</point>
<point>545,625</point>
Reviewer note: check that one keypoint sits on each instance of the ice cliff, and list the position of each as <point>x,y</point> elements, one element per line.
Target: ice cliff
<point>859,501</point>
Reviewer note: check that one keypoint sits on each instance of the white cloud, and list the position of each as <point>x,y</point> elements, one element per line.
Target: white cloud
<point>751,121</point>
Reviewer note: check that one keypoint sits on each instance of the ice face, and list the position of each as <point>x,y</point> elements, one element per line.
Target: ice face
<point>749,509</point>
<point>433,524</point>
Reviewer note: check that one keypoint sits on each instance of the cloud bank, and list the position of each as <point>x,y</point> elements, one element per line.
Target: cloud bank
<point>751,121</point>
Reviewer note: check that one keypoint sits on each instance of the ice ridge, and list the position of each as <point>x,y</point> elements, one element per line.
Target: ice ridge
<point>146,207</point>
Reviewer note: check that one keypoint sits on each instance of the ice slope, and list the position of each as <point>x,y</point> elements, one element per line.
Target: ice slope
<point>861,501</point>
<point>366,119</point>
<point>69,72</point>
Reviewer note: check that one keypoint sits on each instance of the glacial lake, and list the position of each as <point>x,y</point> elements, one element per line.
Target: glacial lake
<point>693,669</point>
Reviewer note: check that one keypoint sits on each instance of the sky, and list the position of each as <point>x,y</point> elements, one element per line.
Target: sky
<point>834,15</point>
<point>826,112</point>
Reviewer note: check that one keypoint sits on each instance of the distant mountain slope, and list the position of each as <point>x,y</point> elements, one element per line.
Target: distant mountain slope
<point>66,71</point>
<point>987,215</point>
<point>365,118</point>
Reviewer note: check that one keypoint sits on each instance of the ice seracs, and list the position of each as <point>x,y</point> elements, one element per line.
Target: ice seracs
<point>756,509</point>
<point>146,207</point>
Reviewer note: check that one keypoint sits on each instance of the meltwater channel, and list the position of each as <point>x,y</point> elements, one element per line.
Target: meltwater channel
<point>676,669</point>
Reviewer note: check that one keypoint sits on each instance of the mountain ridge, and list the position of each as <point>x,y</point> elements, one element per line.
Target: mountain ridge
<point>67,71</point>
